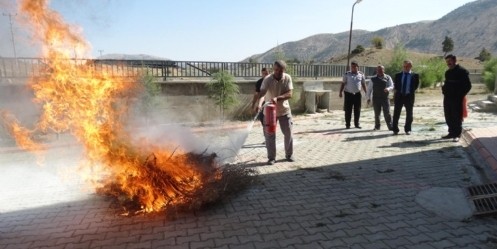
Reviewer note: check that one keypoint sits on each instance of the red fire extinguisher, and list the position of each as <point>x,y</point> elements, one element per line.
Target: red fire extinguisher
<point>270,118</point>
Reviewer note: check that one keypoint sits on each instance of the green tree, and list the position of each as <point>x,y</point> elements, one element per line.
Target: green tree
<point>484,55</point>
<point>377,42</point>
<point>148,97</point>
<point>293,61</point>
<point>224,90</point>
<point>357,50</point>
<point>489,73</point>
<point>399,56</point>
<point>448,45</point>
<point>431,71</point>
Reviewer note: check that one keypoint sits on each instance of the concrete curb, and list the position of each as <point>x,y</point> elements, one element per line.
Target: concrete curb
<point>472,139</point>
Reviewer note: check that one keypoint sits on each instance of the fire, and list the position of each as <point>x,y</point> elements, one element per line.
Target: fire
<point>92,106</point>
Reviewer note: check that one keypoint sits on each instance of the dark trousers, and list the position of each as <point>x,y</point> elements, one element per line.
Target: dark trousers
<point>352,101</point>
<point>378,105</point>
<point>453,115</point>
<point>400,101</point>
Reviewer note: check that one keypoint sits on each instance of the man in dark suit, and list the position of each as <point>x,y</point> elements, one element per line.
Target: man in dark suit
<point>405,85</point>
<point>456,85</point>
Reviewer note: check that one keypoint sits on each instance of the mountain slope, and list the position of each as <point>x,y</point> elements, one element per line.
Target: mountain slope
<point>471,27</point>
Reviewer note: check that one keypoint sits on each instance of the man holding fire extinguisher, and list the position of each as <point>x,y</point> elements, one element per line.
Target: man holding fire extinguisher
<point>277,89</point>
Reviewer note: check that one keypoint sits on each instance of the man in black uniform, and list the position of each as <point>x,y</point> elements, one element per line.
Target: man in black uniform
<point>352,83</point>
<point>257,102</point>
<point>455,88</point>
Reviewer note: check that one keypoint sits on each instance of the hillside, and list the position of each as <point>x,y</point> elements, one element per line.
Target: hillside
<point>471,26</point>
<point>373,57</point>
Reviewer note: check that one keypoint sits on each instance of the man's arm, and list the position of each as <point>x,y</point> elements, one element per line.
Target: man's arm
<point>363,83</point>
<point>389,84</point>
<point>416,81</point>
<point>369,93</point>
<point>284,96</point>
<point>467,83</point>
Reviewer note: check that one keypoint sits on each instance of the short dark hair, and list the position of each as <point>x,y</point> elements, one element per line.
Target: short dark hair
<point>264,69</point>
<point>280,63</point>
<point>451,56</point>
<point>354,63</point>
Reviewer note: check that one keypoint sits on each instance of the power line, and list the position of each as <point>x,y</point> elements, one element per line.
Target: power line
<point>12,32</point>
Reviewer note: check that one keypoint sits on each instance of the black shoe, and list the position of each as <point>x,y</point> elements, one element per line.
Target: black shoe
<point>408,133</point>
<point>395,133</point>
<point>271,162</point>
<point>347,127</point>
<point>358,127</point>
<point>448,136</point>
<point>376,129</point>
<point>290,159</point>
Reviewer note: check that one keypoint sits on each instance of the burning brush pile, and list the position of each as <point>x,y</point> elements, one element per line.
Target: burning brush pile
<point>93,106</point>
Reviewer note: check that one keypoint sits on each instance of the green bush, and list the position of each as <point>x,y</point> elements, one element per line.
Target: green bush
<point>377,42</point>
<point>399,56</point>
<point>148,96</point>
<point>489,73</point>
<point>431,71</point>
<point>357,50</point>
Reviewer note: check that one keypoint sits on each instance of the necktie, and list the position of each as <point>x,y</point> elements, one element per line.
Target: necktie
<point>404,84</point>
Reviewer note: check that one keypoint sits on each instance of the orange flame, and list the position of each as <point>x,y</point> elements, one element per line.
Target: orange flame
<point>92,106</point>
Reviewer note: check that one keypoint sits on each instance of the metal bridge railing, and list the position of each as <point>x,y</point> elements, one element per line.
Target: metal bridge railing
<point>166,69</point>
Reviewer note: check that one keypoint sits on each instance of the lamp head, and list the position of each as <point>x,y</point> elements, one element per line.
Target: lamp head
<point>358,1</point>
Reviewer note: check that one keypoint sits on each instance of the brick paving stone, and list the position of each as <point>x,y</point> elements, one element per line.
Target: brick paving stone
<point>202,244</point>
<point>397,242</point>
<point>250,238</point>
<point>243,246</point>
<point>103,243</point>
<point>266,244</point>
<point>165,243</point>
<point>226,241</point>
<point>82,245</point>
<point>302,202</point>
<point>419,239</point>
<point>140,245</point>
<point>19,245</point>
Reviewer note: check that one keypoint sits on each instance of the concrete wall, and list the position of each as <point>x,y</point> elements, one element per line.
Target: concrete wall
<point>188,101</point>
<point>184,101</point>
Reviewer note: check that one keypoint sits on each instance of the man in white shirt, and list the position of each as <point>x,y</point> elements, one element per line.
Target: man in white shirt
<point>378,90</point>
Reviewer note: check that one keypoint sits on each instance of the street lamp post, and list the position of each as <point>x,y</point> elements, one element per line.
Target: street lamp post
<point>350,33</point>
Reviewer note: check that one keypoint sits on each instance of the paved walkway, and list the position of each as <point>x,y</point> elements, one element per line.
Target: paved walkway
<point>348,189</point>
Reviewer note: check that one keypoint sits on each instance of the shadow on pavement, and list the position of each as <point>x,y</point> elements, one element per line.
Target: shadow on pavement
<point>415,144</point>
<point>368,137</point>
<point>307,204</point>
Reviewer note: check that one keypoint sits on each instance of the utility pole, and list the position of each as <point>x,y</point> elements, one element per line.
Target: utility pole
<point>100,51</point>
<point>12,33</point>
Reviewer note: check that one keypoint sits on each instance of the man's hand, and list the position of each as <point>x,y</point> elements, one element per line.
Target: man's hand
<point>340,94</point>
<point>385,90</point>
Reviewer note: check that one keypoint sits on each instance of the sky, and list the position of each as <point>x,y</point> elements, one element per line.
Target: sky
<point>220,30</point>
